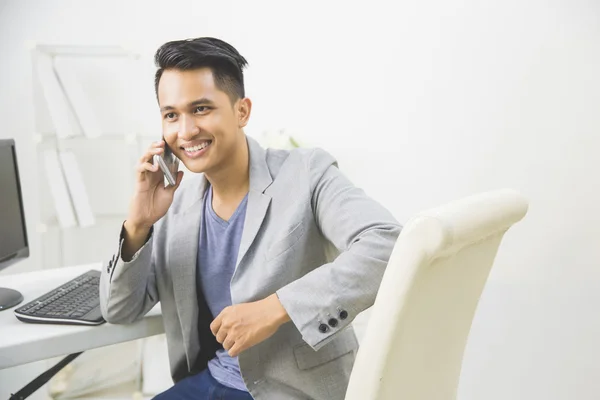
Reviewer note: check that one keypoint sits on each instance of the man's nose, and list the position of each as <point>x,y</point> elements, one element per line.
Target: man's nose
<point>187,127</point>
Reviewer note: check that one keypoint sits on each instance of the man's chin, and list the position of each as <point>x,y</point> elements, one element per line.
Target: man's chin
<point>196,167</point>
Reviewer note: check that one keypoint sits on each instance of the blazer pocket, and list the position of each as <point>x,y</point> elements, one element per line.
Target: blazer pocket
<point>287,242</point>
<point>307,358</point>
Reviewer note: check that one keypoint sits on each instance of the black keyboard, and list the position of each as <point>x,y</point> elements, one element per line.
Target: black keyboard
<point>76,302</point>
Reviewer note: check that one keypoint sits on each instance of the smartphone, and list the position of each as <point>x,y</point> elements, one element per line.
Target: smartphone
<point>169,164</point>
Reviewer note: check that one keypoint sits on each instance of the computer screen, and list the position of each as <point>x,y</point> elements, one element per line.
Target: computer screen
<point>13,234</point>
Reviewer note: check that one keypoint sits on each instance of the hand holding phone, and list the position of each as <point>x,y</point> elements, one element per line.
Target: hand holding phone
<point>169,165</point>
<point>151,197</point>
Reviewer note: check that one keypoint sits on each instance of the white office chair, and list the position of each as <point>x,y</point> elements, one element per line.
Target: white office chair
<point>415,338</point>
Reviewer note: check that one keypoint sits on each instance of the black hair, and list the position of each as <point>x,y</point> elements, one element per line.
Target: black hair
<point>225,62</point>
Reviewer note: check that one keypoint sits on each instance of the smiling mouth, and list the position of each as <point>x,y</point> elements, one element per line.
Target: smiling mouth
<point>199,147</point>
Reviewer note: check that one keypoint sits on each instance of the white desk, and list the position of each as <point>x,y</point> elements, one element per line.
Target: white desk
<point>22,343</point>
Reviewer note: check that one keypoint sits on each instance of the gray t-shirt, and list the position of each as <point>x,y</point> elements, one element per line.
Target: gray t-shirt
<point>218,246</point>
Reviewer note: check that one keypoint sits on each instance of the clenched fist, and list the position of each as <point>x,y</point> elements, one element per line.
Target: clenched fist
<point>241,326</point>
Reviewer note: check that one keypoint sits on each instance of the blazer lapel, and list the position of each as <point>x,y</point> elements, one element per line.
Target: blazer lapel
<point>183,259</point>
<point>258,201</point>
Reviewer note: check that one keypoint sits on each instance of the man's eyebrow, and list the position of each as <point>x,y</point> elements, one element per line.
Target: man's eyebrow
<point>202,101</point>
<point>166,108</point>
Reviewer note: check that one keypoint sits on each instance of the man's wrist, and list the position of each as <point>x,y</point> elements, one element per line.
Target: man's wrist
<point>135,229</point>
<point>280,314</point>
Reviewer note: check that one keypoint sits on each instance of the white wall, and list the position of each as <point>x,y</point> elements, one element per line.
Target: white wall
<point>422,102</point>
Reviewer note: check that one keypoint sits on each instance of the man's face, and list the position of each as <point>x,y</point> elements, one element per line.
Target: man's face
<point>199,122</point>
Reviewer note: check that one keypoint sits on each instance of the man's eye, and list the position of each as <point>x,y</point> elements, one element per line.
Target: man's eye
<point>201,109</point>
<point>169,115</point>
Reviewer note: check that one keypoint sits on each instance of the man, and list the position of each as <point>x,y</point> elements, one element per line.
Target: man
<point>255,303</point>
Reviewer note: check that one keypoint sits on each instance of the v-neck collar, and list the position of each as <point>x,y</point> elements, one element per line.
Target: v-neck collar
<point>208,204</point>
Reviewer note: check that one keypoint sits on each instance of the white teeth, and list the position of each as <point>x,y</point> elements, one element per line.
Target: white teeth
<point>196,148</point>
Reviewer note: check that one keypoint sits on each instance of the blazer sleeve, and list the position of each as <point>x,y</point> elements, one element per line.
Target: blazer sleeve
<point>128,289</point>
<point>327,299</point>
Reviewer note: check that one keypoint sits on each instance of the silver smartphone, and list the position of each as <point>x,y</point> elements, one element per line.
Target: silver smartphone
<point>169,165</point>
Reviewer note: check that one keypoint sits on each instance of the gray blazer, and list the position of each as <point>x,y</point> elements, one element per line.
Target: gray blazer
<point>310,236</point>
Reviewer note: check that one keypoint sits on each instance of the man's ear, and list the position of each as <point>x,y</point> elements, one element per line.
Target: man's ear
<point>244,108</point>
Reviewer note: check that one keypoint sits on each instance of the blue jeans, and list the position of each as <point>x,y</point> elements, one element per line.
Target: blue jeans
<point>202,387</point>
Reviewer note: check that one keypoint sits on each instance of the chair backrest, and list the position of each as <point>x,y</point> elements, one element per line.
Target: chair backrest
<point>415,338</point>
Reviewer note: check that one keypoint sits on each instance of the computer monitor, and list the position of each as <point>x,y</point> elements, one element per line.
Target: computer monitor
<point>13,234</point>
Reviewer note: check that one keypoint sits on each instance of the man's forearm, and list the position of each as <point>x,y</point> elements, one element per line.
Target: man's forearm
<point>134,239</point>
